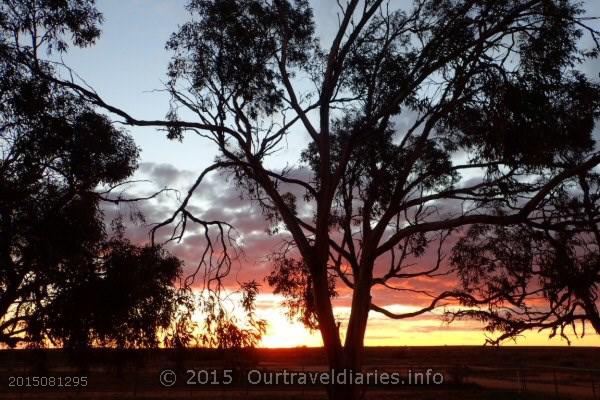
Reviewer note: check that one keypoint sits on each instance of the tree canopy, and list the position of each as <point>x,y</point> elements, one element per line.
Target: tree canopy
<point>63,279</point>
<point>420,123</point>
<point>542,274</point>
<point>500,119</point>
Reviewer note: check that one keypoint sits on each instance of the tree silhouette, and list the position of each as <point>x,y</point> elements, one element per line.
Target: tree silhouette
<point>124,300</point>
<point>499,117</point>
<point>61,278</point>
<point>542,274</point>
<point>223,327</point>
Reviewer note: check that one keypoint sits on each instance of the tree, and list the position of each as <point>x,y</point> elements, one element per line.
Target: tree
<point>543,274</point>
<point>62,278</point>
<point>123,301</point>
<point>223,327</point>
<point>499,117</point>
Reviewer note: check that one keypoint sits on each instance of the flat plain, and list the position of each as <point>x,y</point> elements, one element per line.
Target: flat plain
<point>469,373</point>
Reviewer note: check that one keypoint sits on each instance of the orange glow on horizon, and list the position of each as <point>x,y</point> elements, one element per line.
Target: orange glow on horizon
<point>382,331</point>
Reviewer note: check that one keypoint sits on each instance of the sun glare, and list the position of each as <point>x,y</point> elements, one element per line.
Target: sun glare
<point>428,330</point>
<point>284,333</point>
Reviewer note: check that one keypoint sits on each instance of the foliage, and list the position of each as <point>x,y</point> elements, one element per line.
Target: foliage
<point>223,327</point>
<point>62,279</point>
<point>123,300</point>
<point>423,120</point>
<point>417,121</point>
<point>554,257</point>
<point>291,279</point>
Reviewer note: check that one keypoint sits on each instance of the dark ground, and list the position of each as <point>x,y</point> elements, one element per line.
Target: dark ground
<point>470,373</point>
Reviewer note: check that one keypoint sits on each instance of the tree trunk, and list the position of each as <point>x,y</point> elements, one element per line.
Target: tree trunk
<point>344,392</point>
<point>349,362</point>
<point>324,311</point>
<point>337,358</point>
<point>357,324</point>
<point>350,357</point>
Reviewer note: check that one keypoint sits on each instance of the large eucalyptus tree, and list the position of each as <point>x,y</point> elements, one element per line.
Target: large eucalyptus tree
<point>419,119</point>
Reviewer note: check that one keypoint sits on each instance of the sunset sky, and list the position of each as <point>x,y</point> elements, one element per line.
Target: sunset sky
<point>127,67</point>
